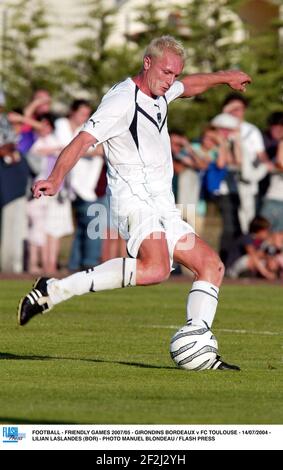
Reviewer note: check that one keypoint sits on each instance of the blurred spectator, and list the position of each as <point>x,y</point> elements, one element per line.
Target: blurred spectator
<point>40,104</point>
<point>68,127</point>
<point>273,247</point>
<point>253,155</point>
<point>176,139</point>
<point>86,250</point>
<point>112,246</point>
<point>216,142</point>
<point>221,180</point>
<point>13,184</point>
<point>249,257</point>
<point>271,136</point>
<point>272,207</point>
<point>90,214</point>
<point>50,217</point>
<point>24,139</point>
<point>189,164</point>
<point>274,134</point>
<point>207,149</point>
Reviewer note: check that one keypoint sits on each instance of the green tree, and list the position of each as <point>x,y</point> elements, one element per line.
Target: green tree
<point>215,39</point>
<point>263,59</point>
<point>26,28</point>
<point>211,33</point>
<point>98,65</point>
<point>152,23</point>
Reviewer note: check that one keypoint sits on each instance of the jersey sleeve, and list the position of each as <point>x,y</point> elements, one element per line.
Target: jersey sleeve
<point>111,117</point>
<point>176,90</point>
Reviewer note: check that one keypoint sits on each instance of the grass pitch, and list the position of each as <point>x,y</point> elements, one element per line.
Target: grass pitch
<point>103,359</point>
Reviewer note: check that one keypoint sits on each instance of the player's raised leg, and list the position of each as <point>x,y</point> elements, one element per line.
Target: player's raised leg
<point>151,267</point>
<point>203,261</point>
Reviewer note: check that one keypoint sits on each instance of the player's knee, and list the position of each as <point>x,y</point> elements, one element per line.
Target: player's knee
<point>153,274</point>
<point>213,268</point>
<point>217,269</point>
<point>158,274</point>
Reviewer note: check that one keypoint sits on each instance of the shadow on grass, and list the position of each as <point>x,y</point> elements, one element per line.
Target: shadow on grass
<point>18,357</point>
<point>24,357</point>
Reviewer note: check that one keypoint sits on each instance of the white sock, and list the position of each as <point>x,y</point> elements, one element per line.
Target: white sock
<point>113,274</point>
<point>202,303</point>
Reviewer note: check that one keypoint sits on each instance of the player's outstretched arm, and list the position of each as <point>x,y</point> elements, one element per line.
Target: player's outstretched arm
<point>65,162</point>
<point>199,82</point>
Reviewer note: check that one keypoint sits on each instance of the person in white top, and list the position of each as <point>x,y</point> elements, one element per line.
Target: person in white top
<point>50,219</point>
<point>253,165</point>
<point>131,122</point>
<point>83,179</point>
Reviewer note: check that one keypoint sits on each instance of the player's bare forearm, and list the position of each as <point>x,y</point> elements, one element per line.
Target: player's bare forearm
<point>65,162</point>
<point>70,155</point>
<point>200,82</point>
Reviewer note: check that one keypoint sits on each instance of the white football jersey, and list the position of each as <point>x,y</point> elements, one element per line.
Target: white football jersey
<point>133,129</point>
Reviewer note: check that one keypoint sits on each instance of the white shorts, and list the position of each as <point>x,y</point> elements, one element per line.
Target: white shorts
<point>137,218</point>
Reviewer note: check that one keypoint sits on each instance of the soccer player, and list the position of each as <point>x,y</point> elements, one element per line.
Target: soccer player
<point>131,123</point>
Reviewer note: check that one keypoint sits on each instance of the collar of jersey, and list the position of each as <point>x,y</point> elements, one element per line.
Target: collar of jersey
<point>142,93</point>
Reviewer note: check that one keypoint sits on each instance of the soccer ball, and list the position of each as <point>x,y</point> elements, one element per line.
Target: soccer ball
<point>193,347</point>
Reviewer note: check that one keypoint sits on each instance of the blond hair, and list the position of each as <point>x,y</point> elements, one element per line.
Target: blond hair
<point>165,43</point>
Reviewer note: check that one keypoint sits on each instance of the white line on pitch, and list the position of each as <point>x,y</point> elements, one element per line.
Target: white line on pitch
<point>221,330</point>
<point>249,332</point>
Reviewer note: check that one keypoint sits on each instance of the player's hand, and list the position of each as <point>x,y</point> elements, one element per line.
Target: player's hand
<point>237,79</point>
<point>44,187</point>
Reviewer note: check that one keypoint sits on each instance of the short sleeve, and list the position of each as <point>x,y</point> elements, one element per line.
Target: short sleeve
<point>176,90</point>
<point>252,138</point>
<point>258,141</point>
<point>111,117</point>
